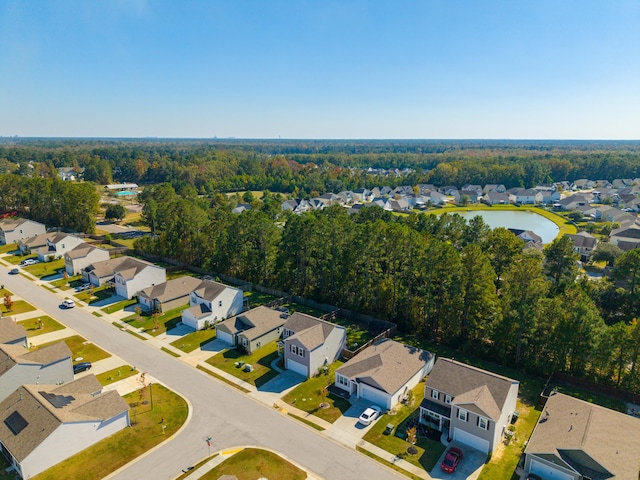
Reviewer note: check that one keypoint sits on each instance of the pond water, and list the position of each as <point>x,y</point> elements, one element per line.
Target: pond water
<point>522,220</point>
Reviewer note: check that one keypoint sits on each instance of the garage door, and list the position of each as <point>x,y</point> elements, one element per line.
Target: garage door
<point>375,396</point>
<point>225,337</point>
<point>297,367</point>
<point>547,471</point>
<point>471,440</point>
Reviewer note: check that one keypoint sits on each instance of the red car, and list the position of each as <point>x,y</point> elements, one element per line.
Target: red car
<point>451,460</point>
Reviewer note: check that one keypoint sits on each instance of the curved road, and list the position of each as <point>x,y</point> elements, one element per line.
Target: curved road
<point>219,411</point>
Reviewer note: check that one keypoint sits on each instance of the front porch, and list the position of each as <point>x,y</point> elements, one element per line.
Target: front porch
<point>435,415</point>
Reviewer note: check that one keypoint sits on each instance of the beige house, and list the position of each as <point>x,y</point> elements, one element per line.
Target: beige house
<point>384,372</point>
<point>13,230</point>
<point>575,440</point>
<point>43,425</point>
<point>253,329</point>
<point>82,256</point>
<point>170,294</point>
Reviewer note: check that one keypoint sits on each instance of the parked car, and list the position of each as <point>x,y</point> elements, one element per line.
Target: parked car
<point>451,460</point>
<point>81,367</point>
<point>83,287</point>
<point>14,271</point>
<point>369,415</point>
<point>28,261</point>
<point>68,303</point>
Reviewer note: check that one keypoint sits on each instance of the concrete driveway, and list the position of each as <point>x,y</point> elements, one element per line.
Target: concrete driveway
<point>347,429</point>
<point>284,382</point>
<point>469,467</point>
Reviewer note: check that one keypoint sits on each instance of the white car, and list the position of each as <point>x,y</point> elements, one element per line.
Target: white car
<point>68,303</point>
<point>369,415</point>
<point>28,261</point>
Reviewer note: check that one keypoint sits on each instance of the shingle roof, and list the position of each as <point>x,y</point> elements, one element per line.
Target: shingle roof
<point>262,318</point>
<point>42,356</point>
<point>583,239</point>
<point>75,401</point>
<point>80,251</point>
<point>37,240</point>
<point>10,224</point>
<point>471,386</point>
<point>209,290</point>
<point>611,438</point>
<point>10,331</point>
<point>386,366</point>
<point>125,265</point>
<point>310,331</point>
<point>171,289</point>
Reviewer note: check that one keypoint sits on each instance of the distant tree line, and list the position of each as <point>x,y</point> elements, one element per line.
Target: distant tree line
<point>315,167</point>
<point>439,277</point>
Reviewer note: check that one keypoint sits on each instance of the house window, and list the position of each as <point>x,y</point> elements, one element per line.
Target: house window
<point>483,423</point>
<point>293,348</point>
<point>462,415</point>
<point>447,399</point>
<point>434,394</point>
<point>343,381</point>
<point>220,303</point>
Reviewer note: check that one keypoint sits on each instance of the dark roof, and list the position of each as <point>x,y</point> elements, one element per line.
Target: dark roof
<point>440,409</point>
<point>308,330</point>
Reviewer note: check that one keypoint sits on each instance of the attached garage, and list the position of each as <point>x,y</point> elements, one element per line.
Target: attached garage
<point>225,337</point>
<point>374,395</point>
<point>547,471</point>
<point>297,367</point>
<point>471,440</point>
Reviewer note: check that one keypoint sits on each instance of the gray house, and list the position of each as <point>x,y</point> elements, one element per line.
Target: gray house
<point>11,333</point>
<point>19,366</point>
<point>170,294</point>
<point>384,372</point>
<point>14,229</point>
<point>310,343</point>
<point>576,440</point>
<point>253,329</point>
<point>473,405</point>
<point>82,256</point>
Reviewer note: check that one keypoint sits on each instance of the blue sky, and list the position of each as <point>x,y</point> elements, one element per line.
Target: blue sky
<point>321,69</point>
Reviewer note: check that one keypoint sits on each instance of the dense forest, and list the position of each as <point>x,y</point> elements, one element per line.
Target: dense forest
<point>314,167</point>
<point>439,277</point>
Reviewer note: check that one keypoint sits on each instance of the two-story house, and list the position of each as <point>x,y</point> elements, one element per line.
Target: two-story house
<point>135,275</point>
<point>210,302</point>
<point>583,243</point>
<point>310,343</point>
<point>57,245</point>
<point>473,405</point>
<point>14,229</point>
<point>82,256</point>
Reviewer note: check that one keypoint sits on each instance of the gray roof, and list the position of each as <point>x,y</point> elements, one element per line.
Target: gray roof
<point>471,386</point>
<point>171,289</point>
<point>573,430</point>
<point>37,240</point>
<point>126,266</point>
<point>80,251</point>
<point>583,239</point>
<point>254,323</point>
<point>386,366</point>
<point>309,331</point>
<point>209,290</point>
<point>630,232</point>
<point>10,331</point>
<point>11,355</point>
<point>43,408</point>
<point>10,224</point>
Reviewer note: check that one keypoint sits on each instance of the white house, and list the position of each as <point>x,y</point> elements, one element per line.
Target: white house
<point>43,425</point>
<point>83,255</point>
<point>384,372</point>
<point>135,275</point>
<point>211,302</point>
<point>48,365</point>
<point>14,229</point>
<point>57,245</point>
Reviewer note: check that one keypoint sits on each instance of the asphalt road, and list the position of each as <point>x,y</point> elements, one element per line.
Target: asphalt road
<point>219,411</point>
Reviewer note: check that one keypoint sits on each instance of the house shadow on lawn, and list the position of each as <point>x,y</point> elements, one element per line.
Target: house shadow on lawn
<point>105,299</point>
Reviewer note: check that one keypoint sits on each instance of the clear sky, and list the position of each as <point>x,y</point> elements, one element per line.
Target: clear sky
<point>521,69</point>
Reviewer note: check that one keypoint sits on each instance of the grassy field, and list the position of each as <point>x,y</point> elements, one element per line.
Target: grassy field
<point>146,431</point>
<point>80,347</point>
<point>40,325</point>
<point>44,269</point>
<point>10,247</point>
<point>116,374</point>
<point>256,299</point>
<point>429,451</point>
<point>253,463</point>
<point>19,306</point>
<point>260,360</point>
<point>165,321</point>
<point>311,393</point>
<point>194,340</point>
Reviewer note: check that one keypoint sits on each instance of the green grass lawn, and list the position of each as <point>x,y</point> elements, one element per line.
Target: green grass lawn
<point>34,327</point>
<point>253,463</point>
<point>103,458</point>
<point>67,283</point>
<point>80,347</point>
<point>256,299</point>
<point>116,374</point>
<point>119,306</point>
<point>94,295</point>
<point>147,323</point>
<point>180,273</point>
<point>194,340</point>
<point>19,306</point>
<point>43,269</point>
<point>17,258</point>
<point>429,451</point>
<point>260,360</point>
<point>9,247</point>
<point>311,393</point>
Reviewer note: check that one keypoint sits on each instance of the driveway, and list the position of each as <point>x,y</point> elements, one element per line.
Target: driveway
<point>347,429</point>
<point>469,467</point>
<point>282,383</point>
